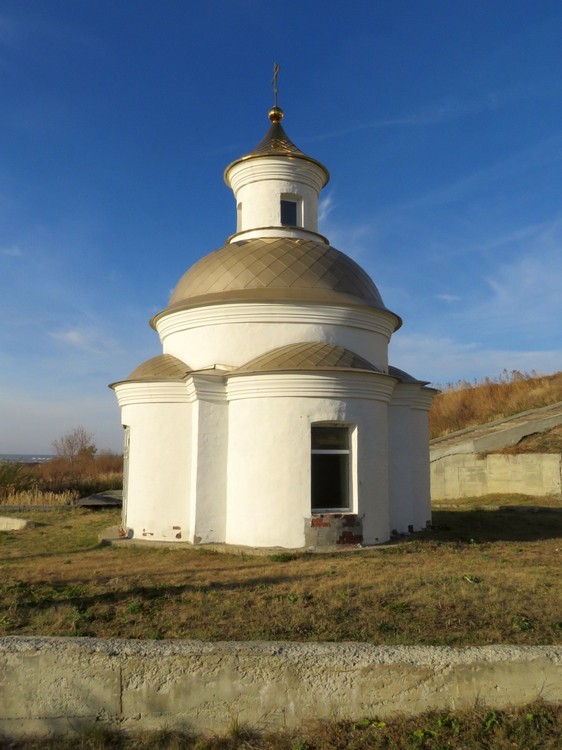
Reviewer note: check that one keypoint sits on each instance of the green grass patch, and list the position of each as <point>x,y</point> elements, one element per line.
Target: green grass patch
<point>478,577</point>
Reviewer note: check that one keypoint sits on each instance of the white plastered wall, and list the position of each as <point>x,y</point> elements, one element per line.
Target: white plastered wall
<point>208,475</point>
<point>372,467</point>
<point>408,437</point>
<point>420,463</point>
<point>269,453</point>
<point>400,447</point>
<point>234,334</point>
<point>258,185</point>
<point>158,506</point>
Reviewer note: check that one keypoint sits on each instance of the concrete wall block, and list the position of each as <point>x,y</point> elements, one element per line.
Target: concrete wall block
<point>42,684</point>
<point>468,475</point>
<point>58,685</point>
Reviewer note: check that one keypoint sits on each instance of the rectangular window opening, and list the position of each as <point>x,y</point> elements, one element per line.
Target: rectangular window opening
<point>330,472</point>
<point>289,213</point>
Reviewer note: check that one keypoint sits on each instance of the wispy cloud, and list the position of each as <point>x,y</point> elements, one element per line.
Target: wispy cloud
<point>325,207</point>
<point>540,154</point>
<point>443,360</point>
<point>74,338</point>
<point>448,297</point>
<point>443,111</point>
<point>488,240</point>
<point>352,239</point>
<point>525,291</point>
<point>87,339</point>
<point>13,251</point>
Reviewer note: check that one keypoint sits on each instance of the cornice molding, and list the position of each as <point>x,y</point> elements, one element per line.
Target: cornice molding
<point>151,393</point>
<point>424,399</point>
<point>206,388</point>
<point>364,318</point>
<point>373,387</point>
<point>405,394</point>
<point>261,232</point>
<point>413,395</point>
<point>266,167</point>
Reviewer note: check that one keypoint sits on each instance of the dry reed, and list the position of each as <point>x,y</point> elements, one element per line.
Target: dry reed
<point>36,496</point>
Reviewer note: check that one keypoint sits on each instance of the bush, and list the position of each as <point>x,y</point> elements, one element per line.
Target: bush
<point>13,477</point>
<point>84,475</point>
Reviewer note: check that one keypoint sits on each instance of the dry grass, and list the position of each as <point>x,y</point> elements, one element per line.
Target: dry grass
<point>533,727</point>
<point>39,497</point>
<point>543,442</point>
<point>462,405</point>
<point>479,577</point>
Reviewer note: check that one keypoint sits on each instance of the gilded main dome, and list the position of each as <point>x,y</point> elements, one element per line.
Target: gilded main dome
<point>275,269</point>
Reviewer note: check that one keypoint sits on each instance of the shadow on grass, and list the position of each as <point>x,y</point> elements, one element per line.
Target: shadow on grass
<point>509,524</point>
<point>63,592</point>
<point>54,553</point>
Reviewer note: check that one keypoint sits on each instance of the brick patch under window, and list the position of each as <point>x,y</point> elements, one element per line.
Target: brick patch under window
<point>329,529</point>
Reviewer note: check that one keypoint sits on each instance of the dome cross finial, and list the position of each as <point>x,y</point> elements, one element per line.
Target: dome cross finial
<point>275,114</point>
<point>276,69</point>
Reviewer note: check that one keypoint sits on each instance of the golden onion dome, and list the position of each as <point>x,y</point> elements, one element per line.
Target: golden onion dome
<point>276,269</point>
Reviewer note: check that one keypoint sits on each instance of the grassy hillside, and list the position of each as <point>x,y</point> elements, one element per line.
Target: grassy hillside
<point>464,404</point>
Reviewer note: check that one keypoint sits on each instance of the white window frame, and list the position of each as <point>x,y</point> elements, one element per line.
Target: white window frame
<point>349,452</point>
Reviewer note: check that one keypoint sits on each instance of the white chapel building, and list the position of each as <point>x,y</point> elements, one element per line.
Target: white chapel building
<point>273,418</point>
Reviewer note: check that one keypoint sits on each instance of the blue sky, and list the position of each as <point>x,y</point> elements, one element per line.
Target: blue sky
<point>440,122</point>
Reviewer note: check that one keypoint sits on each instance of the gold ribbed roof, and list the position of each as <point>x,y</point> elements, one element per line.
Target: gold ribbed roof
<point>307,356</point>
<point>276,142</point>
<point>275,269</point>
<point>162,367</point>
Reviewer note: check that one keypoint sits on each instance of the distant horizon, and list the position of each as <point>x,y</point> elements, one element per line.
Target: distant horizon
<point>22,456</point>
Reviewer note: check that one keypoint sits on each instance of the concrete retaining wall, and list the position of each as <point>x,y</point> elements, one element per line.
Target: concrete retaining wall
<point>58,685</point>
<point>467,475</point>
